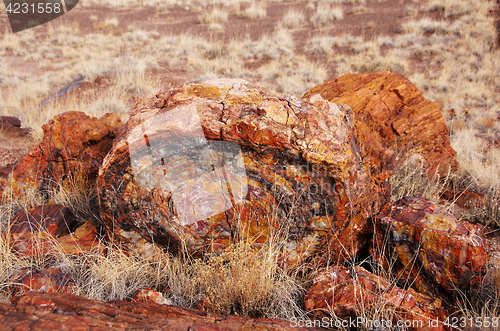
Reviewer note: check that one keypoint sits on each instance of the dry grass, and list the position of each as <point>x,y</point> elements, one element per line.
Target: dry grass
<point>257,10</point>
<point>293,19</point>
<point>326,14</point>
<point>244,280</point>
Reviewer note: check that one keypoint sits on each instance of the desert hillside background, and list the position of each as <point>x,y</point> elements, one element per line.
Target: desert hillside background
<point>121,50</point>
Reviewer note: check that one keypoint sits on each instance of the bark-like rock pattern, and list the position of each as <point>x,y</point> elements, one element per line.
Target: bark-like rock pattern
<point>355,292</point>
<point>391,115</point>
<point>74,144</point>
<point>44,311</point>
<point>432,250</point>
<point>282,161</point>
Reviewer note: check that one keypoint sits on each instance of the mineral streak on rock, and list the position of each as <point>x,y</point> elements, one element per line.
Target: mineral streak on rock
<point>430,249</point>
<point>187,154</point>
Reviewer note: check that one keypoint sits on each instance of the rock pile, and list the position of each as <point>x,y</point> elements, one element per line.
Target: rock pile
<point>204,165</point>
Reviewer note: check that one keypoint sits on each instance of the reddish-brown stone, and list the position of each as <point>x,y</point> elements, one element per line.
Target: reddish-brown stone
<point>430,249</point>
<point>50,280</point>
<point>56,220</point>
<point>301,168</point>
<point>74,144</point>
<point>352,293</point>
<point>391,113</point>
<point>82,240</point>
<point>149,295</point>
<point>57,311</point>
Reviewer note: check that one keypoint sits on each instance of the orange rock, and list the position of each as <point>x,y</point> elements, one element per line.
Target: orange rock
<point>50,280</point>
<point>149,295</point>
<point>207,164</point>
<point>351,294</point>
<point>391,113</point>
<point>430,249</point>
<point>82,240</point>
<point>74,144</point>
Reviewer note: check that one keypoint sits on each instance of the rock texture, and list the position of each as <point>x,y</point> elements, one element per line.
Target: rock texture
<point>56,220</point>
<point>432,250</point>
<point>50,280</point>
<point>83,239</point>
<point>44,311</point>
<point>209,163</point>
<point>15,142</point>
<point>391,116</point>
<point>349,293</point>
<point>74,144</point>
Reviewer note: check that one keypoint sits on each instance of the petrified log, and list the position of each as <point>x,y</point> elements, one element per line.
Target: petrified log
<point>56,311</point>
<point>74,144</point>
<point>209,163</point>
<point>391,115</point>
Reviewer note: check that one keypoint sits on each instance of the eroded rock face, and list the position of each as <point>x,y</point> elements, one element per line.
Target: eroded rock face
<point>56,311</point>
<point>391,116</point>
<point>74,144</point>
<point>349,293</point>
<point>432,250</point>
<point>209,163</point>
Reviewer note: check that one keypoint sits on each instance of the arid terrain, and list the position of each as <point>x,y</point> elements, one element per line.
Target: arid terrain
<point>106,56</point>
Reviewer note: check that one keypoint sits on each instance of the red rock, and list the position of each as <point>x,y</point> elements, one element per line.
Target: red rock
<point>352,293</point>
<point>432,250</point>
<point>281,156</point>
<point>74,144</point>
<point>82,240</point>
<point>149,295</point>
<point>391,113</point>
<point>57,311</point>
<point>56,220</point>
<point>50,280</point>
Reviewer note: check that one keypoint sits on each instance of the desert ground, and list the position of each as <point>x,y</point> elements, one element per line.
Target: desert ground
<point>125,50</point>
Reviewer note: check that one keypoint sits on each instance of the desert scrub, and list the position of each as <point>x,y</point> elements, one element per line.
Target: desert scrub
<point>326,15</point>
<point>217,15</point>
<point>256,10</point>
<point>292,19</point>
